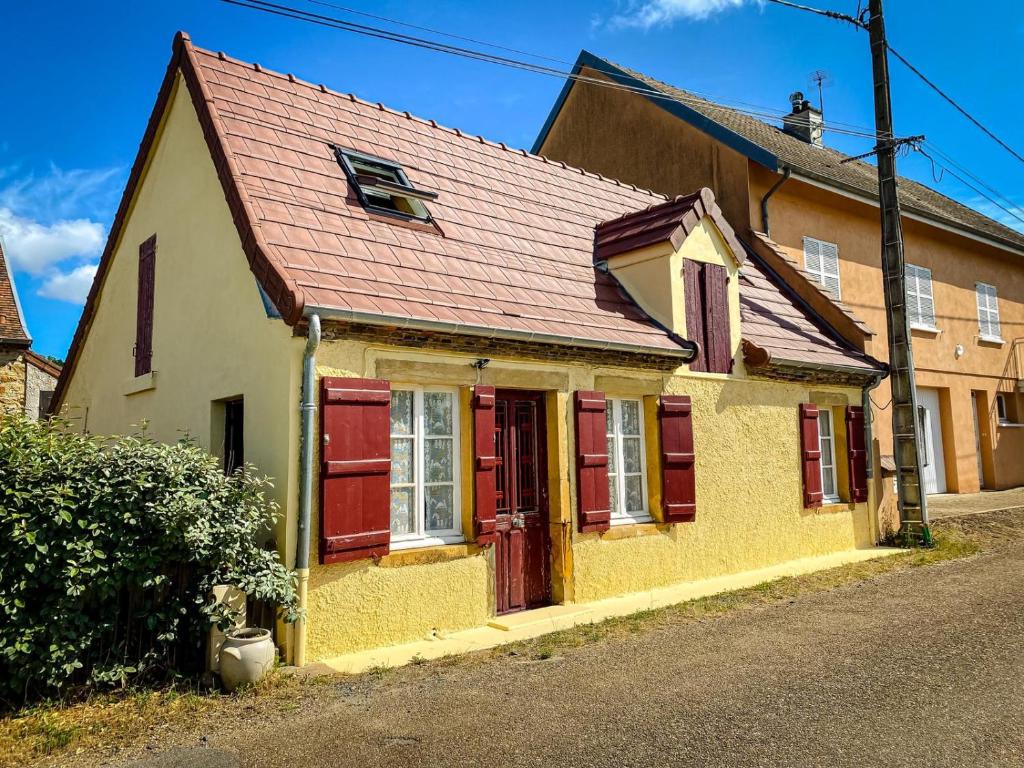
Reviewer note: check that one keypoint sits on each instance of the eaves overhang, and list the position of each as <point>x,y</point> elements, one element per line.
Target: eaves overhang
<point>684,353</point>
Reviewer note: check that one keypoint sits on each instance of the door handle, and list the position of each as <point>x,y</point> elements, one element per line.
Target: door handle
<point>518,521</point>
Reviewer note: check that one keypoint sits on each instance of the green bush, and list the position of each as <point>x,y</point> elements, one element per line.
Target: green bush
<point>109,549</point>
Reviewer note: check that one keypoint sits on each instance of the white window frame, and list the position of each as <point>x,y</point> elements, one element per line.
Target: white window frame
<point>919,291</point>
<point>989,327</point>
<point>622,517</point>
<point>821,249</point>
<point>828,451</point>
<point>421,537</point>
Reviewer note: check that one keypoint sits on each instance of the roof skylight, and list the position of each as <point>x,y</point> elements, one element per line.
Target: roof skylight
<point>382,186</point>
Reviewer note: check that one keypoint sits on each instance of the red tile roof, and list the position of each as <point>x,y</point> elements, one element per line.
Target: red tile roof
<point>12,325</point>
<point>777,330</point>
<point>514,250</point>
<point>664,222</point>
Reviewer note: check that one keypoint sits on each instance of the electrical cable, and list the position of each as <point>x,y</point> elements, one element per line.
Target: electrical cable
<point>340,24</point>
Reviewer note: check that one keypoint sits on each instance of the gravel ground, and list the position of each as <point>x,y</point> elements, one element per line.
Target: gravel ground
<point>920,667</point>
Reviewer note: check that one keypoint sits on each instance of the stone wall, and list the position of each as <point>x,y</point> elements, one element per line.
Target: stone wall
<point>37,381</point>
<point>12,380</point>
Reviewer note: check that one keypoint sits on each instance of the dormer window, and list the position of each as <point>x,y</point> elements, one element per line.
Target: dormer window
<point>382,186</point>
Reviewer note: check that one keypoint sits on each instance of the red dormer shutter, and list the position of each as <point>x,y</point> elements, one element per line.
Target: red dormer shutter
<point>355,469</point>
<point>595,512</point>
<point>716,300</point>
<point>144,307</point>
<point>484,463</point>
<point>678,477</point>
<point>693,297</point>
<point>856,453</point>
<point>810,451</point>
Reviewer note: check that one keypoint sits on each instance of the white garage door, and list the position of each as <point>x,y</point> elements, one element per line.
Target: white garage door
<point>930,424</point>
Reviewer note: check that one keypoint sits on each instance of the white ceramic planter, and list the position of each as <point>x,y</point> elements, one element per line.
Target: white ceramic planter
<point>245,657</point>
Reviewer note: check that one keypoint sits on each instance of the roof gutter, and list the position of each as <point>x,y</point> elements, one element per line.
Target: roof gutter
<point>687,350</point>
<point>786,173</point>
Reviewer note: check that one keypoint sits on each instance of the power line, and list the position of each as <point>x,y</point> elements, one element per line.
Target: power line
<point>432,31</point>
<point>1005,198</point>
<point>857,22</point>
<point>383,34</point>
<point>956,106</point>
<point>971,186</point>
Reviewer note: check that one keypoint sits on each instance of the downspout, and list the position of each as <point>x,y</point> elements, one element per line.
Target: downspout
<point>869,417</point>
<point>307,412</point>
<point>786,172</point>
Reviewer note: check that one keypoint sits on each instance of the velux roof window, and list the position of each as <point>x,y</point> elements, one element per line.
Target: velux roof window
<point>382,186</point>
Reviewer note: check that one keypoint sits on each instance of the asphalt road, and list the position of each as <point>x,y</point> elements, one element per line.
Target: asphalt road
<point>918,668</point>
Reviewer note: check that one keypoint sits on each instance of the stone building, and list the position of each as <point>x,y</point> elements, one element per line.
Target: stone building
<point>27,379</point>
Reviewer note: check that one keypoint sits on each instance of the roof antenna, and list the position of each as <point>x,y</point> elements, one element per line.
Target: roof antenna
<point>821,78</point>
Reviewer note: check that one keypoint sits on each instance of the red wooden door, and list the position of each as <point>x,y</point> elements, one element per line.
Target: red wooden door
<point>522,544</point>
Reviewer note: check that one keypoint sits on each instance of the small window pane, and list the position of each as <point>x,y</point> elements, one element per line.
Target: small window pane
<point>609,418</point>
<point>437,411</point>
<point>824,424</point>
<point>630,417</point>
<point>634,494</point>
<point>613,492</point>
<point>401,412</point>
<point>828,482</point>
<point>438,460</point>
<point>631,454</point>
<point>403,510</point>
<point>440,508</point>
<point>401,460</point>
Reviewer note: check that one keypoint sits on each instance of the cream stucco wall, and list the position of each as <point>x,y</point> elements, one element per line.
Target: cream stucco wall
<point>653,277</point>
<point>750,503</point>
<point>212,338</point>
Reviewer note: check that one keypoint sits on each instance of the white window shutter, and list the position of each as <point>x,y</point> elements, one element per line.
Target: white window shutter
<point>988,310</point>
<point>821,261</point>
<point>926,300</point>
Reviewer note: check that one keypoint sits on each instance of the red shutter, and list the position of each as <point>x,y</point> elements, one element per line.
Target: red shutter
<point>144,308</point>
<point>484,462</point>
<point>693,295</point>
<point>355,469</point>
<point>716,298</point>
<point>810,447</point>
<point>678,477</point>
<point>856,453</point>
<point>595,512</point>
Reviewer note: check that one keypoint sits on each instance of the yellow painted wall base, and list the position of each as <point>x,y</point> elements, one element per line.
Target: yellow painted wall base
<point>542,621</point>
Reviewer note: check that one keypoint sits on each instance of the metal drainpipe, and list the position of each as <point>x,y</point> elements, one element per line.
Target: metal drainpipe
<point>307,411</point>
<point>786,172</point>
<point>869,445</point>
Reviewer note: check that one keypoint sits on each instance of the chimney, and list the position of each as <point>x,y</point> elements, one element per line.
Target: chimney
<point>804,121</point>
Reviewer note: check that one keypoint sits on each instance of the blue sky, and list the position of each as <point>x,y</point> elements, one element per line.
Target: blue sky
<point>79,80</point>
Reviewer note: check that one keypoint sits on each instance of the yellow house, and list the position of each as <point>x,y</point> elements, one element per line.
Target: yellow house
<point>482,381</point>
<point>815,211</point>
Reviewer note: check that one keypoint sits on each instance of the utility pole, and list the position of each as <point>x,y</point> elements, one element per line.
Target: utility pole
<point>913,503</point>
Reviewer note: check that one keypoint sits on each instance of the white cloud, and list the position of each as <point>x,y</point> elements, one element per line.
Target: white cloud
<point>60,194</point>
<point>70,286</point>
<point>35,248</point>
<point>653,13</point>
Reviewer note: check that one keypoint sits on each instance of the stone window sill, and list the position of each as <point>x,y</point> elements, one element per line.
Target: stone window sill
<point>925,330</point>
<point>143,383</point>
<point>421,555</point>
<point>991,341</point>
